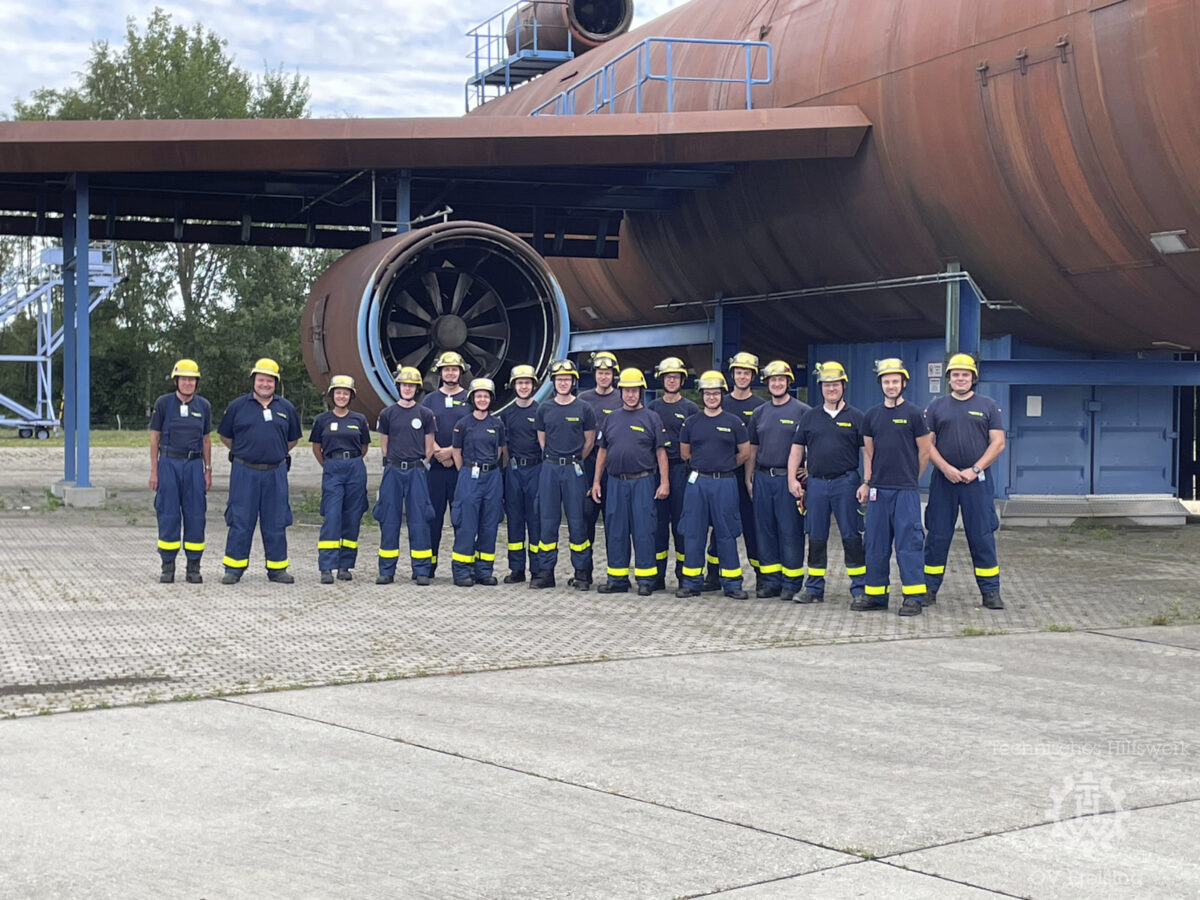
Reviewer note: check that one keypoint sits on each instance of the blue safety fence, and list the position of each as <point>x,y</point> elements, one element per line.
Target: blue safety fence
<point>656,59</point>
<point>513,46</point>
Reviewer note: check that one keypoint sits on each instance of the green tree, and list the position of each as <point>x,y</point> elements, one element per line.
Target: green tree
<point>219,305</point>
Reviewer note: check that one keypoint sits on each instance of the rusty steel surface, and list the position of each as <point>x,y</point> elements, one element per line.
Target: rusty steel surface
<point>1037,142</point>
<point>578,25</point>
<point>284,145</point>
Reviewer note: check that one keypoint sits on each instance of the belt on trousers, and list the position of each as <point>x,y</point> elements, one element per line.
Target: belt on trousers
<point>562,460</point>
<point>716,474</point>
<point>531,461</point>
<point>262,467</point>
<point>403,464</point>
<point>342,454</point>
<point>483,467</point>
<point>180,454</point>
<point>633,477</point>
<point>833,477</point>
<point>773,471</point>
<point>677,461</point>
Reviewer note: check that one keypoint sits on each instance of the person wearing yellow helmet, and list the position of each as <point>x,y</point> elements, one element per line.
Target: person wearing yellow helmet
<point>339,439</point>
<point>826,447</point>
<point>448,404</point>
<point>603,399</point>
<point>480,443</point>
<point>778,524</point>
<point>674,409</point>
<point>896,445</point>
<point>968,436</point>
<point>741,401</point>
<point>259,430</point>
<point>406,435</point>
<point>566,429</point>
<point>632,453</point>
<point>522,472</point>
<point>716,446</point>
<point>181,470</point>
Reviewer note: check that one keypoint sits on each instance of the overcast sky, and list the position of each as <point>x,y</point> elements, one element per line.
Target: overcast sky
<point>362,57</point>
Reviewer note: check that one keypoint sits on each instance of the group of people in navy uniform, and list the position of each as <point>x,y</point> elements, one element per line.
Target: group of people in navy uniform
<point>772,471</point>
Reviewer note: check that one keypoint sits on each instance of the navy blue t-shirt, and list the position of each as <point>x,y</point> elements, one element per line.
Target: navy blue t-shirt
<point>631,439</point>
<point>960,427</point>
<point>602,404</point>
<point>743,409</point>
<point>405,428</point>
<point>479,440</point>
<point>260,434</point>
<point>521,425</point>
<point>895,431</point>
<point>446,416</point>
<point>182,426</point>
<point>772,429</point>
<point>564,425</point>
<point>831,442</point>
<point>673,416</point>
<point>713,441</point>
<point>339,434</point>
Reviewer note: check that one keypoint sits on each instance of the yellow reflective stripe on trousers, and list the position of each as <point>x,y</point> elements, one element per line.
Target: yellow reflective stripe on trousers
<point>617,573</point>
<point>389,554</point>
<point>329,545</point>
<point>645,573</point>
<point>911,589</point>
<point>713,561</point>
<point>194,548</point>
<point>486,557</point>
<point>169,545</point>
<point>732,573</point>
<point>856,570</point>
<point>987,573</point>
<point>514,546</point>
<point>579,548</point>
<point>679,557</point>
<point>277,563</point>
<point>816,573</point>
<point>546,548</point>
<point>874,591</point>
<point>662,555</point>
<point>349,545</point>
<point>937,570</point>
<point>771,568</point>
<point>231,563</point>
<point>463,557</point>
<point>792,573</point>
<point>692,573</point>
<point>419,554</point>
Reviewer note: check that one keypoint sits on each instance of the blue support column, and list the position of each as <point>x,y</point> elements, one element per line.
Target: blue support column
<point>728,328</point>
<point>68,314</point>
<point>83,337</point>
<point>969,316</point>
<point>404,201</point>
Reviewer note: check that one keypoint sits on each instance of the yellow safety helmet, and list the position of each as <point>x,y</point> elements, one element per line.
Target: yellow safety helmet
<point>185,368</point>
<point>604,360</point>
<point>777,367</point>
<point>563,367</point>
<point>890,366</point>
<point>341,381</point>
<point>409,375</point>
<point>266,366</point>
<point>522,371</point>
<point>449,358</point>
<point>711,379</point>
<point>830,371</point>
<point>631,378</point>
<point>670,365</point>
<point>962,361</point>
<point>744,360</point>
<point>481,384</point>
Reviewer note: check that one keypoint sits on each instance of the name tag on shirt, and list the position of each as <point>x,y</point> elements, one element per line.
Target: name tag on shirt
<point>183,410</point>
<point>266,415</point>
<point>449,402</point>
<point>333,426</point>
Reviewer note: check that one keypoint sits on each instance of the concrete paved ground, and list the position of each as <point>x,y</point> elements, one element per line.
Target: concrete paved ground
<point>510,743</point>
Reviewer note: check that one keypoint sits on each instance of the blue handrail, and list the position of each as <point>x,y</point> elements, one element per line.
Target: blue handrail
<point>501,69</point>
<point>603,82</point>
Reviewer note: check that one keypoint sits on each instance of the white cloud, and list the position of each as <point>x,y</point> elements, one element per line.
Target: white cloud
<point>362,57</point>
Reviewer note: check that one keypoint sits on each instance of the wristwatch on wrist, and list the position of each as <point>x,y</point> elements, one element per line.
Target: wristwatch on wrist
<point>976,469</point>
<point>207,468</point>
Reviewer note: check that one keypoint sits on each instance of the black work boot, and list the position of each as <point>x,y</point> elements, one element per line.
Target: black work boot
<point>280,576</point>
<point>610,587</point>
<point>911,606</point>
<point>326,576</point>
<point>168,573</point>
<point>991,600</point>
<point>344,575</point>
<point>582,580</point>
<point>385,579</point>
<point>231,576</point>
<point>712,580</point>
<point>541,580</point>
<point>767,593</point>
<point>930,598</point>
<point>193,572</point>
<point>516,576</point>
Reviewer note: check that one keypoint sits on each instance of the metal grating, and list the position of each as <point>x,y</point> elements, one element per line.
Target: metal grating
<point>1142,509</point>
